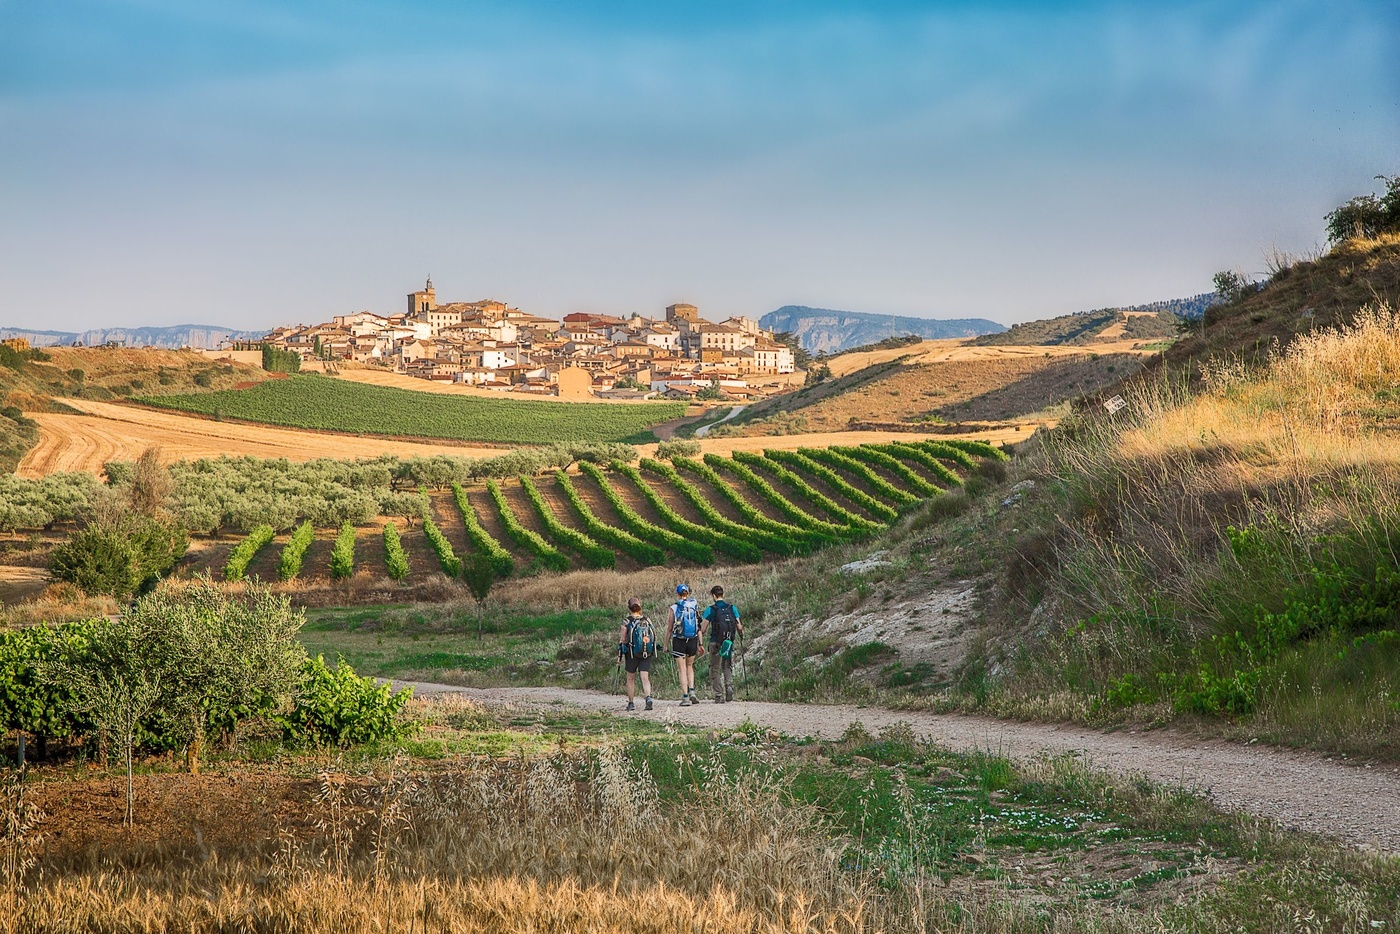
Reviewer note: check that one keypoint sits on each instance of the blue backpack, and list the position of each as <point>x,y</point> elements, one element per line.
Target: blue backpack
<point>641,637</point>
<point>687,619</point>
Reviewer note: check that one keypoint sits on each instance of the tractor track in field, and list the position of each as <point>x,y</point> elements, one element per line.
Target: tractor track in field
<point>1357,803</point>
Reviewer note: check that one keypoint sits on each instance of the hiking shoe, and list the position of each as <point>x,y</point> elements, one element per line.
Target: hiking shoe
<point>719,698</point>
<point>685,700</point>
<point>631,706</point>
<point>648,707</point>
<point>694,700</point>
<point>729,694</point>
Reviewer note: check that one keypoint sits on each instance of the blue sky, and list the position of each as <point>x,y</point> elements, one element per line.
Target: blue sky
<point>253,163</point>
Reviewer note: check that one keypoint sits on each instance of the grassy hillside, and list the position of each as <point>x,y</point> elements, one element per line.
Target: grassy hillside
<point>1300,297</point>
<point>325,403</point>
<point>1086,327</point>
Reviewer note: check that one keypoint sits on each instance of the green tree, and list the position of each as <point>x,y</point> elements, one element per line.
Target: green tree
<point>479,573</point>
<point>215,654</point>
<point>114,685</point>
<point>1367,216</point>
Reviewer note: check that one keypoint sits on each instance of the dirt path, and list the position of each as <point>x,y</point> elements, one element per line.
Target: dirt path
<point>106,431</point>
<point>1302,791</point>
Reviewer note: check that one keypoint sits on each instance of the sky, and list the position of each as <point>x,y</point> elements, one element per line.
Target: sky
<point>254,163</point>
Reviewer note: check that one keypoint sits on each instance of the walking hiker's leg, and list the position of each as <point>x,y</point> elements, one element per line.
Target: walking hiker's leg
<point>717,677</point>
<point>631,685</point>
<point>729,677</point>
<point>646,684</point>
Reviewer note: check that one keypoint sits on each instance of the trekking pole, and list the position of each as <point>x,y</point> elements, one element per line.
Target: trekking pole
<point>617,673</point>
<point>744,665</point>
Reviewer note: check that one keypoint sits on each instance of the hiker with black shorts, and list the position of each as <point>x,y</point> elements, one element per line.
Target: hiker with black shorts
<point>721,619</point>
<point>684,625</point>
<point>636,647</point>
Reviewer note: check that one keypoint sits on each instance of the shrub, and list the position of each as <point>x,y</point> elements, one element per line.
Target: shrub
<point>276,360</point>
<point>678,545</point>
<point>593,554</point>
<point>294,552</point>
<point>644,552</point>
<point>546,554</point>
<point>730,545</point>
<point>395,561</point>
<point>245,551</point>
<point>481,539</point>
<point>43,707</point>
<point>119,558</point>
<point>343,553</point>
<point>336,707</point>
<point>670,450</point>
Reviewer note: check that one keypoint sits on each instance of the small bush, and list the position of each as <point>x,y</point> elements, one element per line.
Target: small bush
<point>294,552</point>
<point>246,550</point>
<point>336,707</point>
<point>670,450</point>
<point>343,553</point>
<point>395,561</point>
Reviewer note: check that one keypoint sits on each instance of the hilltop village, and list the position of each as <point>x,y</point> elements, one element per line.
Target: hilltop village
<point>492,345</point>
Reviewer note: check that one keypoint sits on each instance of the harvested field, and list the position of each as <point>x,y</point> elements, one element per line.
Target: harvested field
<point>951,351</point>
<point>108,431</point>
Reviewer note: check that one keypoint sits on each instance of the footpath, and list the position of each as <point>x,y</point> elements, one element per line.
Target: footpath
<point>1358,803</point>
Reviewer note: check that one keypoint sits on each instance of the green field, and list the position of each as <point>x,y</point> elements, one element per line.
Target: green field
<point>329,404</point>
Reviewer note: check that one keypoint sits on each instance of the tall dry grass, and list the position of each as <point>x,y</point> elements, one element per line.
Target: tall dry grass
<point>570,843</point>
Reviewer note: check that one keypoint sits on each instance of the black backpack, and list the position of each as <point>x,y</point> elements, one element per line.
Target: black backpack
<point>724,622</point>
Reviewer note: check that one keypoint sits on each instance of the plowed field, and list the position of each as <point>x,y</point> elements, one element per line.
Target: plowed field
<point>107,431</point>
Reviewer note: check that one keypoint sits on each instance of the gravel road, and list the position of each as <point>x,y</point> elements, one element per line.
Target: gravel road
<point>1356,803</point>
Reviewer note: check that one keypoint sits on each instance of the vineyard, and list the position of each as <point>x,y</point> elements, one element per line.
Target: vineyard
<point>681,512</point>
<point>329,404</point>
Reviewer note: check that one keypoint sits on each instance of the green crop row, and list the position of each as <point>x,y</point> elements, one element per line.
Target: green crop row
<point>482,540</point>
<point>545,554</point>
<point>733,546</point>
<point>753,516</point>
<point>343,553</point>
<point>245,551</point>
<point>447,558</point>
<point>324,403</point>
<point>762,538</point>
<point>831,478</point>
<point>395,561</point>
<point>924,458</point>
<point>678,545</point>
<point>798,516</point>
<point>804,489</point>
<point>873,481</point>
<point>645,553</point>
<point>294,552</point>
<point>978,449</point>
<point>945,450</point>
<point>593,554</point>
<point>870,456</point>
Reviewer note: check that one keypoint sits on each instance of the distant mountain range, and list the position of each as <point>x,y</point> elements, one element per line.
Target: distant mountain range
<point>824,330</point>
<point>198,336</point>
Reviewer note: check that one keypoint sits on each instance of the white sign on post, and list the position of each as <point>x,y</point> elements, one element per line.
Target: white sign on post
<point>1115,404</point>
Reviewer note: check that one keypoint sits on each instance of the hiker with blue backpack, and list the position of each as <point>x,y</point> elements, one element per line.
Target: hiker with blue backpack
<point>684,624</point>
<point>721,620</point>
<point>636,648</point>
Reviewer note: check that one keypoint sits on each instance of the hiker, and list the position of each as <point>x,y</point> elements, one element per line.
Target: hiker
<point>721,619</point>
<point>636,648</point>
<point>684,624</point>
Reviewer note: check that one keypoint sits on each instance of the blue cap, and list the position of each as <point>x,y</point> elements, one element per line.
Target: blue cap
<point>682,588</point>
